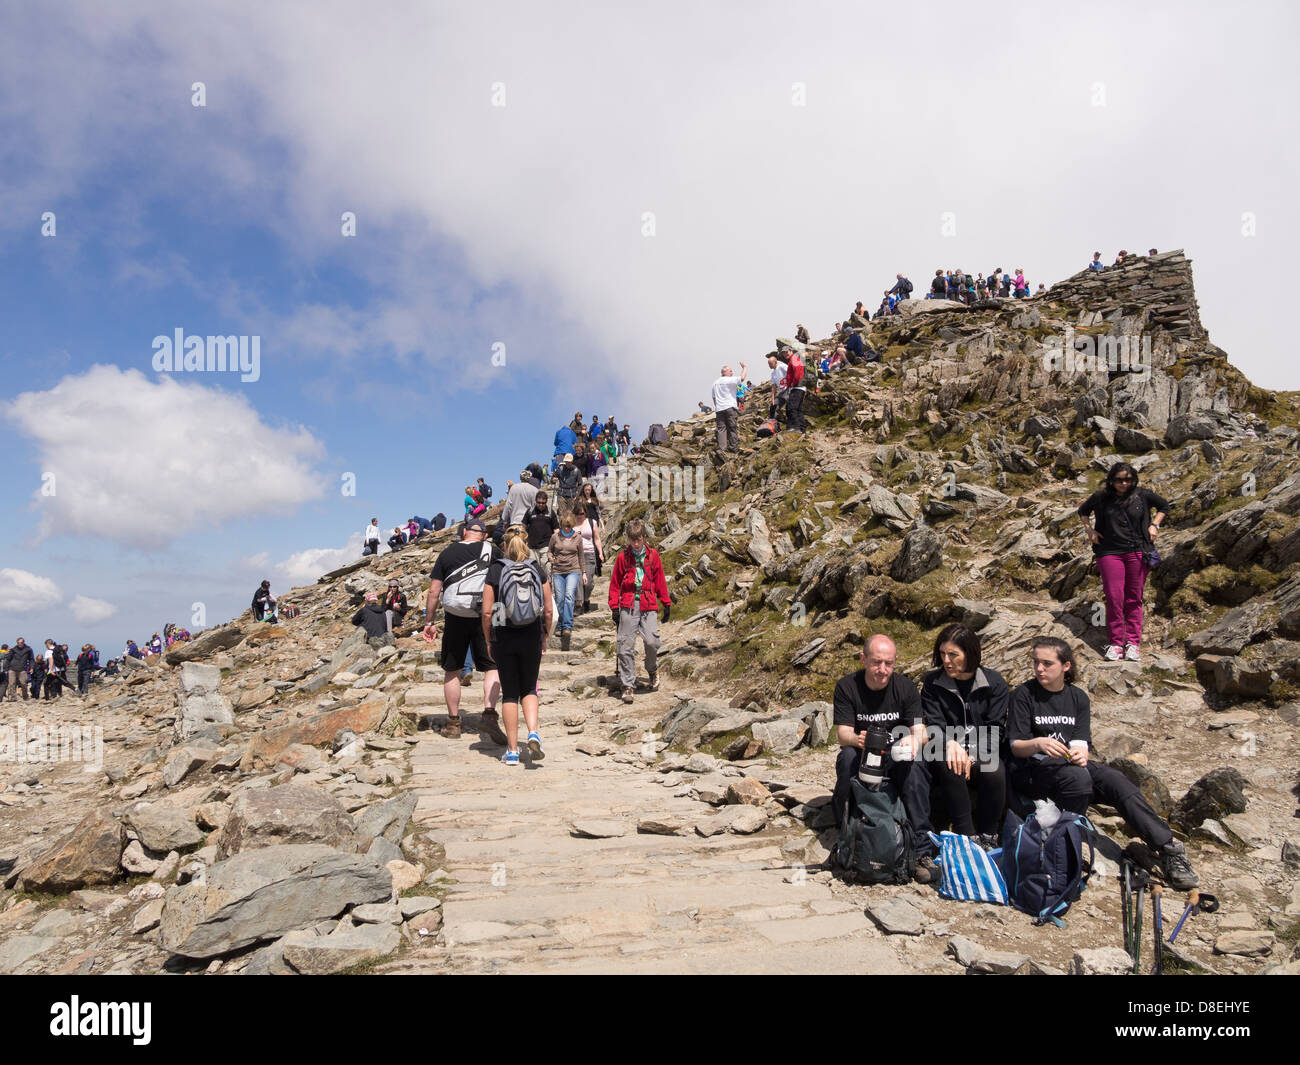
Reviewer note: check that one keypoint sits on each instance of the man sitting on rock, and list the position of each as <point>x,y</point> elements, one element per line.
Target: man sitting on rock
<point>372,617</point>
<point>877,697</point>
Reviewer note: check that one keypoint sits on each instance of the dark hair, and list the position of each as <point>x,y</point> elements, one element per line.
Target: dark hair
<point>266,584</point>
<point>1118,468</point>
<point>1062,651</point>
<point>964,637</point>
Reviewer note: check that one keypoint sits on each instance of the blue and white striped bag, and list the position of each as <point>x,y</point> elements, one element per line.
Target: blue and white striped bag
<point>970,874</point>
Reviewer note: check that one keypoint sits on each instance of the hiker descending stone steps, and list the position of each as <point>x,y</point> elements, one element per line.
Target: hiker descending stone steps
<point>637,588</point>
<point>457,582</point>
<point>568,572</point>
<point>517,615</point>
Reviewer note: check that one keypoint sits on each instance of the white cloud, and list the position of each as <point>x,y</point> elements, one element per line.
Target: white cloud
<point>89,611</point>
<point>25,593</point>
<point>305,566</point>
<point>258,561</point>
<point>142,462</point>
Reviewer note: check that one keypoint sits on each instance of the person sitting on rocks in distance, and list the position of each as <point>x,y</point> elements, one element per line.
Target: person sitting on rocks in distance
<point>398,539</point>
<point>132,650</point>
<point>1152,251</point>
<point>876,696</point>
<point>637,588</point>
<point>1096,263</point>
<point>260,599</point>
<point>703,408</point>
<point>439,521</point>
<point>1050,731</point>
<point>371,617</point>
<point>1122,542</point>
<point>860,310</point>
<point>424,524</point>
<point>968,702</point>
<point>1120,257</point>
<point>394,604</point>
<point>801,334</point>
<point>371,536</point>
<point>938,287</point>
<point>156,644</point>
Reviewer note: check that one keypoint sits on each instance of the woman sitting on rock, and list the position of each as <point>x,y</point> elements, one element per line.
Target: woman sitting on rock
<point>1050,731</point>
<point>968,703</point>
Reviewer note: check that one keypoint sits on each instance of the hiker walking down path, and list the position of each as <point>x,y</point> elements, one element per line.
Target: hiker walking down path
<point>568,572</point>
<point>539,524</point>
<point>726,409</point>
<point>456,582</point>
<point>517,615</point>
<point>637,588</point>
<point>1123,541</point>
<point>593,550</point>
<point>1050,731</point>
<point>968,702</point>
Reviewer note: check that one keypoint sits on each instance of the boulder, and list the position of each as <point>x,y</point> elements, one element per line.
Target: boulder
<point>1152,787</point>
<point>1216,795</point>
<point>808,652</point>
<point>314,955</point>
<point>200,702</point>
<point>265,894</point>
<point>163,828</point>
<point>387,819</point>
<point>203,645</point>
<point>747,791</point>
<point>1245,943</point>
<point>182,761</point>
<point>288,814</point>
<point>817,716</point>
<point>1184,427</point>
<point>90,854</point>
<point>682,724</point>
<point>1101,961</point>
<point>897,916</point>
<point>779,737</point>
<point>267,746</point>
<point>920,554</point>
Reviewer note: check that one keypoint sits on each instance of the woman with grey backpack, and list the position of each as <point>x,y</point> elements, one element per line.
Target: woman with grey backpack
<point>517,615</point>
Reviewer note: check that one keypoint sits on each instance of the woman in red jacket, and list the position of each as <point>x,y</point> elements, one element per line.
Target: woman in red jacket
<point>637,588</point>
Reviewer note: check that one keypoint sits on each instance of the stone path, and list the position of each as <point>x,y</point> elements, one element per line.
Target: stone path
<point>528,895</point>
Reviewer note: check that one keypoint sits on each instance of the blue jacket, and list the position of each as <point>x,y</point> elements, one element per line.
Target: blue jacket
<point>565,439</point>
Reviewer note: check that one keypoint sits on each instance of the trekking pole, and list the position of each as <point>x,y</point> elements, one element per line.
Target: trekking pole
<point>1198,902</point>
<point>1125,902</point>
<point>1137,930</point>
<point>1157,932</point>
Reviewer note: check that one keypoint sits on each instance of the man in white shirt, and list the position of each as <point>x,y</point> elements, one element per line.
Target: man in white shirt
<point>520,499</point>
<point>778,383</point>
<point>725,409</point>
<point>372,538</point>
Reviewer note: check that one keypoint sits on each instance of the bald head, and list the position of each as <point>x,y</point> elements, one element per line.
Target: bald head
<point>878,658</point>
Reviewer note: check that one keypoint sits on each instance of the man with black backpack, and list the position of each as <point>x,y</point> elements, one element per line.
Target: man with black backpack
<point>877,712</point>
<point>485,489</point>
<point>457,582</point>
<point>902,288</point>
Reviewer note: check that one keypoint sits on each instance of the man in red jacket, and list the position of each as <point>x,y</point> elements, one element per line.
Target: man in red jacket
<point>637,588</point>
<point>797,388</point>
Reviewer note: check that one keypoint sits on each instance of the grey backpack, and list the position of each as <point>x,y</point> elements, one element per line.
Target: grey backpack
<point>521,595</point>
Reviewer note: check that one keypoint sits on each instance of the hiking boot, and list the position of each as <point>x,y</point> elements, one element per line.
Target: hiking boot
<point>1178,872</point>
<point>627,695</point>
<point>988,841</point>
<point>511,758</point>
<point>490,724</point>
<point>1114,653</point>
<point>535,747</point>
<point>926,872</point>
<point>565,636</point>
<point>451,730</point>
<point>1131,653</point>
<point>652,682</point>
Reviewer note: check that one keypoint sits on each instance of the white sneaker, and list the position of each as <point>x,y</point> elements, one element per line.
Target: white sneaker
<point>1131,653</point>
<point>1114,653</point>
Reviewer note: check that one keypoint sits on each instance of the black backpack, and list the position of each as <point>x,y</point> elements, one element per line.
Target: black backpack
<point>876,844</point>
<point>658,434</point>
<point>60,658</point>
<point>906,286</point>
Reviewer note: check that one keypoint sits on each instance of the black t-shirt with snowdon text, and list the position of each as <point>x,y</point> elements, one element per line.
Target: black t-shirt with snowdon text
<point>1063,715</point>
<point>856,705</point>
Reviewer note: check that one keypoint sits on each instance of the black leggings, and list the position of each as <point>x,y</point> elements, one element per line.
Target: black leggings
<point>991,793</point>
<point>1072,787</point>
<point>518,663</point>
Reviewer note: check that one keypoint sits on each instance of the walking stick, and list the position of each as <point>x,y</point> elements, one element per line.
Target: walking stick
<point>1157,931</point>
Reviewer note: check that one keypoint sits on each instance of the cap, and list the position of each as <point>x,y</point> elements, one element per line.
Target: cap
<point>568,458</point>
<point>476,524</point>
<point>372,597</point>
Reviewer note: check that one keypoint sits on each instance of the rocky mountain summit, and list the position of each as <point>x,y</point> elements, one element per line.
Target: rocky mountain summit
<point>271,798</point>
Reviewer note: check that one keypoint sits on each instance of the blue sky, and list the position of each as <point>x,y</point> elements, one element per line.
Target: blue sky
<point>502,162</point>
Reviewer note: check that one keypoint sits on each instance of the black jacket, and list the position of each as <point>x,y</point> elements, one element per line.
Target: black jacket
<point>1122,523</point>
<point>20,659</point>
<point>440,520</point>
<point>943,706</point>
<point>261,596</point>
<point>372,617</point>
<point>397,605</point>
<point>570,479</point>
<point>486,489</point>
